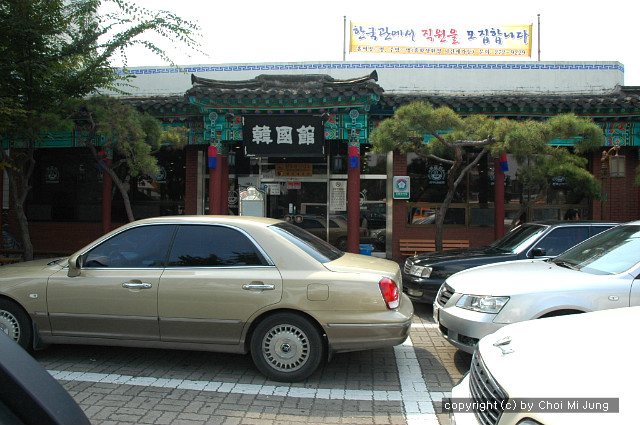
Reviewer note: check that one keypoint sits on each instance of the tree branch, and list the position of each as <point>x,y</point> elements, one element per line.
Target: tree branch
<point>472,164</point>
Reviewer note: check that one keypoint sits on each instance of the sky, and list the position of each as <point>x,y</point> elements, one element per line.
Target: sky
<point>253,31</point>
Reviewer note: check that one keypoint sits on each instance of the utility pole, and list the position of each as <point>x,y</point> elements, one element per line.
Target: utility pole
<point>538,37</point>
<point>344,40</point>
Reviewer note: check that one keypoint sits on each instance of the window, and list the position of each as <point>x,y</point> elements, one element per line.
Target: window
<point>206,246</point>
<point>67,186</point>
<point>612,252</point>
<point>372,163</point>
<point>559,240</point>
<point>519,238</point>
<point>317,248</point>
<point>159,195</point>
<point>310,223</point>
<point>139,247</point>
<point>419,215</point>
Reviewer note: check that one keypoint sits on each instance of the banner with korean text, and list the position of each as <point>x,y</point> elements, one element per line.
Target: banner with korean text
<point>442,40</point>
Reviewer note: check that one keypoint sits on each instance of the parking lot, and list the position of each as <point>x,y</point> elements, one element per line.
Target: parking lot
<point>397,385</point>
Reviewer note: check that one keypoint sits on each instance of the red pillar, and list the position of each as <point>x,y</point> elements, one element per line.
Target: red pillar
<point>498,219</point>
<point>215,180</point>
<point>353,207</point>
<point>215,177</point>
<point>224,185</point>
<point>107,185</point>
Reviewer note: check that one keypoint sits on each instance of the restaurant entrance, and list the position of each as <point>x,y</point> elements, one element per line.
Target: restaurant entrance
<point>312,193</point>
<point>298,190</point>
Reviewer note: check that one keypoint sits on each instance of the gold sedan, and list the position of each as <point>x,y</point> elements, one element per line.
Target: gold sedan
<point>214,283</point>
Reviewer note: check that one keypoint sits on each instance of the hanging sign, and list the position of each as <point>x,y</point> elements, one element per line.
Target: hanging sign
<point>283,135</point>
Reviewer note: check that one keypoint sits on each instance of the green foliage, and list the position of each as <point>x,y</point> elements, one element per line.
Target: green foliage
<point>411,125</point>
<point>420,128</point>
<point>55,53</point>
<point>56,50</point>
<point>538,170</point>
<point>442,135</point>
<point>127,132</point>
<point>127,24</point>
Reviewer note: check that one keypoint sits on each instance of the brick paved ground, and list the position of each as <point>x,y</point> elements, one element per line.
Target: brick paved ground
<point>136,386</point>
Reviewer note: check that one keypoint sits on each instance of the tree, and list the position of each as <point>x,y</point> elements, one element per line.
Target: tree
<point>53,51</point>
<point>132,135</point>
<point>442,135</point>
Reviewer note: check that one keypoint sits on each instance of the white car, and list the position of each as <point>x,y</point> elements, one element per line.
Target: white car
<point>576,369</point>
<point>597,274</point>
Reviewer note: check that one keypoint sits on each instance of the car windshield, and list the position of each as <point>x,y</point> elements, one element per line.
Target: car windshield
<point>519,238</point>
<point>311,244</point>
<point>611,252</point>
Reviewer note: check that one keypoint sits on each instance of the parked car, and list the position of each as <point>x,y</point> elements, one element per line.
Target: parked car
<point>379,239</point>
<point>317,225</point>
<point>29,395</point>
<point>553,371</point>
<point>422,275</point>
<point>597,274</point>
<point>375,214</point>
<point>214,283</point>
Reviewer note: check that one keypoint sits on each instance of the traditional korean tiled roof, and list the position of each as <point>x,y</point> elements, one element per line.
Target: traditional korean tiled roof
<point>622,102</point>
<point>153,104</point>
<point>285,86</point>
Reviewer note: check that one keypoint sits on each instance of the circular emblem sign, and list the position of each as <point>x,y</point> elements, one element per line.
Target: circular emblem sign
<point>436,174</point>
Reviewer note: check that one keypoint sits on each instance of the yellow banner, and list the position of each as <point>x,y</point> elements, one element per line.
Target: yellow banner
<point>470,40</point>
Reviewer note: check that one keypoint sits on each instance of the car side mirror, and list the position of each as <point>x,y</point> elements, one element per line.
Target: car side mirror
<point>75,265</point>
<point>538,252</point>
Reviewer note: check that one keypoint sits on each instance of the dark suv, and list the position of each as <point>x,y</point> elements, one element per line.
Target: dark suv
<point>423,274</point>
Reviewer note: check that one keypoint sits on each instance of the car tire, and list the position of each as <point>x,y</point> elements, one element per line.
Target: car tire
<point>15,323</point>
<point>287,347</point>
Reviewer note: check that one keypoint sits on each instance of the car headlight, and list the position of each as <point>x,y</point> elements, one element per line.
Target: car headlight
<point>420,271</point>
<point>482,303</point>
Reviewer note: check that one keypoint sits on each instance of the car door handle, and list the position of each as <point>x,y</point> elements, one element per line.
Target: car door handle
<point>260,286</point>
<point>136,285</point>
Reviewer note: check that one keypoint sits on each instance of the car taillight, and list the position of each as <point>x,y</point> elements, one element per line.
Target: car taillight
<point>390,293</point>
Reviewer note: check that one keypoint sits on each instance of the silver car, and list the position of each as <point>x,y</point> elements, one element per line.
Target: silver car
<point>600,273</point>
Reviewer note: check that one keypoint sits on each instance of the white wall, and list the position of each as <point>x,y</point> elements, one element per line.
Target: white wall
<point>430,77</point>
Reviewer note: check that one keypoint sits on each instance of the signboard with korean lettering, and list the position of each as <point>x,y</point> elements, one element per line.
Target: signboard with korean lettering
<point>294,170</point>
<point>401,187</point>
<point>338,195</point>
<point>283,135</point>
<point>441,39</point>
